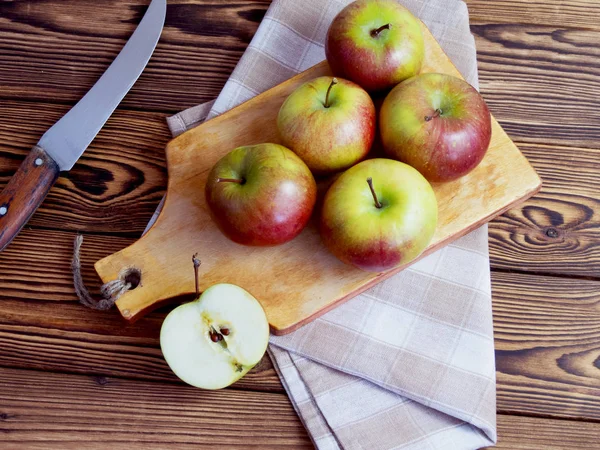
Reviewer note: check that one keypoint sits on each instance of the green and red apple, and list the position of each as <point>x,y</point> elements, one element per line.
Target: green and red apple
<point>439,124</point>
<point>261,195</point>
<point>215,340</point>
<point>329,123</point>
<point>378,215</point>
<point>375,43</point>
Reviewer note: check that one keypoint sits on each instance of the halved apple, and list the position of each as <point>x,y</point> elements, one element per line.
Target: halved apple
<point>215,340</point>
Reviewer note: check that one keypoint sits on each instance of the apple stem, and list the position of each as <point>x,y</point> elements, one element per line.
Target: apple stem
<point>370,182</point>
<point>196,262</point>
<point>375,33</point>
<point>437,113</point>
<point>230,180</point>
<point>334,81</point>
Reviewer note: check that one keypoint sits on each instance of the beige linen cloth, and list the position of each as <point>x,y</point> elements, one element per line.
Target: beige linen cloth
<point>410,363</point>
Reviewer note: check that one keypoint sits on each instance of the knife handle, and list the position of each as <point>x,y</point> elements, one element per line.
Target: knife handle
<point>25,191</point>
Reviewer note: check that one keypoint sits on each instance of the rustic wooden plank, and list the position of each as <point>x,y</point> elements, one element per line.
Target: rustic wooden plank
<point>556,231</point>
<point>547,336</point>
<point>533,433</point>
<point>545,52</point>
<point>55,51</point>
<point>547,342</point>
<point>115,186</point>
<point>37,265</point>
<point>579,13</point>
<point>541,81</point>
<point>48,410</point>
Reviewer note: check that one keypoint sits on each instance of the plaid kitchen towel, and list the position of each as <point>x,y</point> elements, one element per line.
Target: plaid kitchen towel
<point>409,363</point>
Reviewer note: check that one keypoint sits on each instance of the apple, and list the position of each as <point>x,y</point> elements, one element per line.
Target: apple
<point>378,215</point>
<point>261,194</point>
<point>215,340</point>
<point>375,43</point>
<point>329,123</point>
<point>439,124</point>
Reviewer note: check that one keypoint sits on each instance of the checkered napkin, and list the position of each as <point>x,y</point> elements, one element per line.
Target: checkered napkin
<point>409,363</point>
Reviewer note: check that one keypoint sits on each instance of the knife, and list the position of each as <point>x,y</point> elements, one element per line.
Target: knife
<point>62,145</point>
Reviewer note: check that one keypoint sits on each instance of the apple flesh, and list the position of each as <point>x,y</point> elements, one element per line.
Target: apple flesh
<point>261,195</point>
<point>378,215</point>
<point>329,123</point>
<point>439,124</point>
<point>215,340</point>
<point>375,43</point>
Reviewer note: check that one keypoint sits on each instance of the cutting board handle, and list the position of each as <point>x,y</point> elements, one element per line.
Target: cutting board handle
<point>143,265</point>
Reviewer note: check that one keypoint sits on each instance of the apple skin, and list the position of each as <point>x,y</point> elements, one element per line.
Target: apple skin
<point>375,62</point>
<point>333,138</point>
<point>442,148</point>
<point>379,239</point>
<point>273,204</point>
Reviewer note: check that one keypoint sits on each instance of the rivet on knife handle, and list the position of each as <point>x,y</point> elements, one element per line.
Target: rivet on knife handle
<point>25,191</point>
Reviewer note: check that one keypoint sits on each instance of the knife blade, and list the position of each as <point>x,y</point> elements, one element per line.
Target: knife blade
<point>62,145</point>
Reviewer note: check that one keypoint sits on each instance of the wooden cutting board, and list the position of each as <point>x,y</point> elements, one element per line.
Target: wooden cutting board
<point>300,280</point>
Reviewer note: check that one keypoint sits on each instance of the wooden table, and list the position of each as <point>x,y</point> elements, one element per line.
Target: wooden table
<point>71,376</point>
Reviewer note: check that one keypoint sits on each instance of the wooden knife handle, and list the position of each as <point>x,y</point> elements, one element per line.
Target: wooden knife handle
<point>25,191</point>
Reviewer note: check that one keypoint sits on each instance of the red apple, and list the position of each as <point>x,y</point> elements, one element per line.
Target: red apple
<point>439,124</point>
<point>375,43</point>
<point>329,123</point>
<point>261,194</point>
<point>378,215</point>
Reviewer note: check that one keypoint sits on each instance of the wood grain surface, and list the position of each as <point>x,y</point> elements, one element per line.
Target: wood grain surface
<point>572,13</point>
<point>557,231</point>
<point>547,345</point>
<point>547,66</point>
<point>534,55</point>
<point>48,55</point>
<point>298,281</point>
<point>115,186</point>
<point>532,433</point>
<point>101,412</point>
